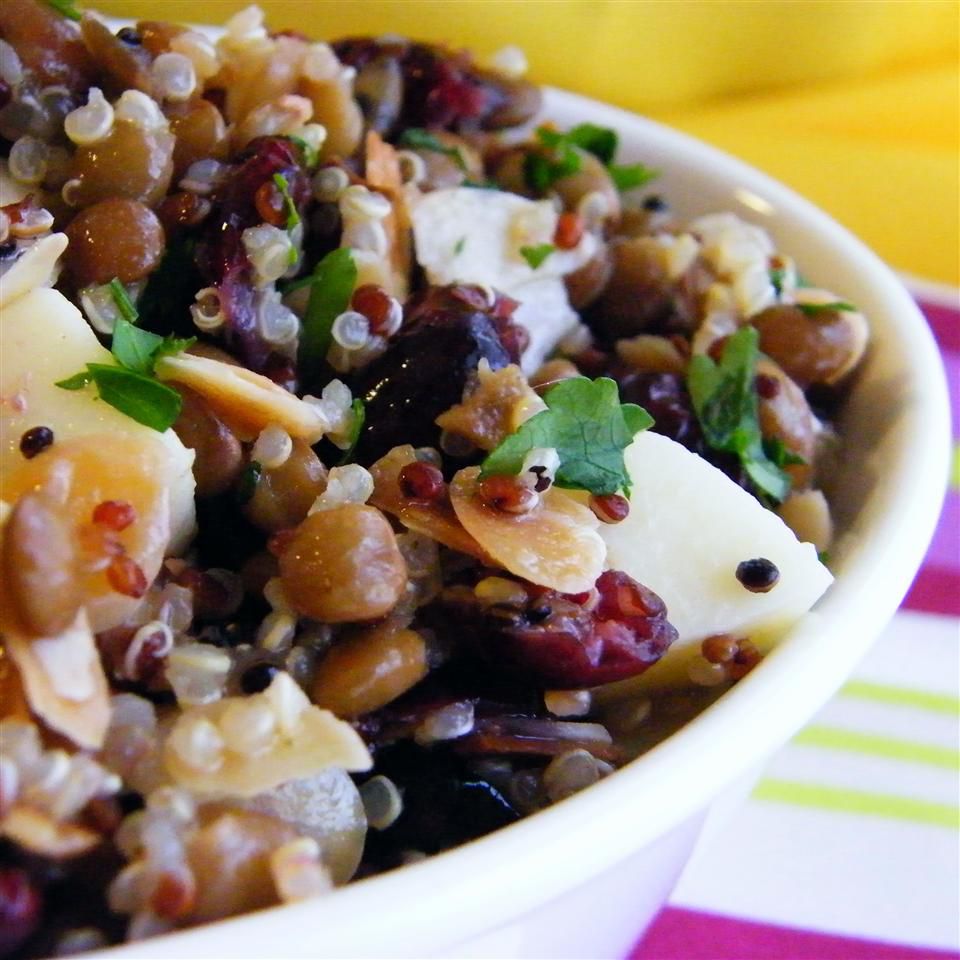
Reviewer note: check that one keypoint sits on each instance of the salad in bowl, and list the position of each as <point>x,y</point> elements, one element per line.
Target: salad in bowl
<point>382,462</point>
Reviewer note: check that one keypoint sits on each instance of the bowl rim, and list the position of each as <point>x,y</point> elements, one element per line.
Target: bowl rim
<point>499,877</point>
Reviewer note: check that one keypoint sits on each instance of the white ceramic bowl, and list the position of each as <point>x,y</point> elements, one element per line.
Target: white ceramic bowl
<point>582,878</point>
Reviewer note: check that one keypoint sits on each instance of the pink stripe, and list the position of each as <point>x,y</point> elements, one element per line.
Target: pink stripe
<point>945,323</point>
<point>935,590</point>
<point>944,549</point>
<point>690,935</point>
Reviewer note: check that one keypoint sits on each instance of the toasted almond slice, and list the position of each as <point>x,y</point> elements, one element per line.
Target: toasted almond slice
<point>435,520</point>
<point>63,681</point>
<point>247,400</point>
<point>40,834</point>
<point>555,545</point>
<point>501,401</point>
<point>306,741</point>
<point>36,268</point>
<point>383,173</point>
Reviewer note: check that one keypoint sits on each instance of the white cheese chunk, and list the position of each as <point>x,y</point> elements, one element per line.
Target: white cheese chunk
<point>688,528</point>
<point>466,235</point>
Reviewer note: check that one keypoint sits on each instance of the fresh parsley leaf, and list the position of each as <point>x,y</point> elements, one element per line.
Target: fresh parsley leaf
<point>835,306</point>
<point>247,482</point>
<point>77,382</point>
<point>557,159</point>
<point>311,156</point>
<point>824,557</point>
<point>629,176</point>
<point>139,350</point>
<point>600,141</point>
<point>140,397</point>
<point>331,287</point>
<point>66,8</point>
<point>777,277</point>
<point>359,419</point>
<point>458,246</point>
<point>122,299</point>
<point>537,254</point>
<point>134,348</point>
<point>780,454</point>
<point>293,217</point>
<point>725,400</point>
<point>418,139</point>
<point>589,428</point>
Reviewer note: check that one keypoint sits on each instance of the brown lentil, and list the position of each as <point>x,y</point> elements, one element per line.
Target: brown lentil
<point>343,565</point>
<point>283,495</point>
<point>113,238</point>
<point>218,454</point>
<point>201,134</point>
<point>369,670</point>
<point>720,648</point>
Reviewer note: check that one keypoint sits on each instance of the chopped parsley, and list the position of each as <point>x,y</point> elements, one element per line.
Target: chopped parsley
<point>558,158</point>
<point>311,156</point>
<point>246,485</point>
<point>129,386</point>
<point>122,299</point>
<point>778,276</point>
<point>359,419</point>
<point>293,217</point>
<point>331,286</point>
<point>589,428</point>
<point>629,176</point>
<point>65,8</point>
<point>725,400</point>
<point>537,254</point>
<point>458,246</point>
<point>812,309</point>
<point>418,139</point>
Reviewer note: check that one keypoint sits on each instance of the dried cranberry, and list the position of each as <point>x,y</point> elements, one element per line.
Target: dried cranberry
<point>440,88</point>
<point>558,641</point>
<point>221,255</point>
<point>425,370</point>
<point>20,908</point>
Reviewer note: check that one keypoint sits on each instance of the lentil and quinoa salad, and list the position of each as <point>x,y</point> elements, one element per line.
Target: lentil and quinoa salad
<point>366,438</point>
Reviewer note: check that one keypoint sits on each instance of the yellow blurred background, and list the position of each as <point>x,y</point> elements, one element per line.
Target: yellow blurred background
<point>854,103</point>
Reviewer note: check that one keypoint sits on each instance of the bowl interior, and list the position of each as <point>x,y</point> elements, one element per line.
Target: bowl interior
<point>886,492</point>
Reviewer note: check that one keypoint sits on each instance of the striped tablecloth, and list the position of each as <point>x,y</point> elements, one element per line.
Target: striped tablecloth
<point>848,847</point>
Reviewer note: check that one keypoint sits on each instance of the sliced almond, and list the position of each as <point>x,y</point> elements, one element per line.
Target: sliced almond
<point>41,834</point>
<point>435,520</point>
<point>501,401</point>
<point>64,682</point>
<point>38,267</point>
<point>307,741</point>
<point>555,545</point>
<point>248,401</point>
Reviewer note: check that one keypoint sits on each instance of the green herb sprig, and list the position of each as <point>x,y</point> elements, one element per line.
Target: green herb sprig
<point>331,286</point>
<point>724,398</point>
<point>130,385</point>
<point>66,8</point>
<point>835,306</point>
<point>416,138</point>
<point>559,158</point>
<point>536,255</point>
<point>589,428</point>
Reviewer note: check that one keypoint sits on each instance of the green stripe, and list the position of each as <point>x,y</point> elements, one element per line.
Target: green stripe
<point>901,696</point>
<point>856,801</point>
<point>955,468</point>
<point>873,745</point>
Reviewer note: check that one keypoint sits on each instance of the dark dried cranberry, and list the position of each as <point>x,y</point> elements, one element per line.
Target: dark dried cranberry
<point>444,804</point>
<point>425,370</point>
<point>20,908</point>
<point>257,678</point>
<point>222,257</point>
<point>440,88</point>
<point>561,643</point>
